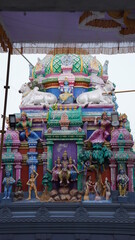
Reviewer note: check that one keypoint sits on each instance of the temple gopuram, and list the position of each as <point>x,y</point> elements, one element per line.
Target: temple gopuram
<point>67,161</point>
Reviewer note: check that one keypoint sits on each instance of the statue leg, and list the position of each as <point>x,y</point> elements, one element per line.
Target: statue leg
<point>22,136</point>
<point>60,176</point>
<point>5,192</point>
<point>120,190</point>
<point>9,191</point>
<point>35,190</point>
<point>68,176</point>
<point>33,136</point>
<point>30,189</point>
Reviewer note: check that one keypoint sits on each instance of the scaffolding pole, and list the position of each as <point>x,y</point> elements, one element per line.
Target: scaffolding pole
<point>5,106</point>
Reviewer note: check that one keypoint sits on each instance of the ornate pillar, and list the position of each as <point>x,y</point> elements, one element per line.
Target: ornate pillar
<point>32,157</point>
<point>18,160</point>
<point>50,156</point>
<point>44,160</point>
<point>18,171</point>
<point>130,166</point>
<point>1,170</point>
<point>113,174</point>
<point>81,175</point>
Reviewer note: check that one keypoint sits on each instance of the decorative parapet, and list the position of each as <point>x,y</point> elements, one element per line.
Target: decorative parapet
<point>65,135</point>
<point>74,116</point>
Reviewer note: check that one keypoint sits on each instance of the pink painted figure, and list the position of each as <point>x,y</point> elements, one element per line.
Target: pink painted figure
<point>56,170</point>
<point>100,135</point>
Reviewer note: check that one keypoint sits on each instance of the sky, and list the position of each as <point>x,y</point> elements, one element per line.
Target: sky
<point>121,71</point>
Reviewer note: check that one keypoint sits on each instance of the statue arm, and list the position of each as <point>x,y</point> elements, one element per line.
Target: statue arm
<point>48,170</point>
<point>76,169</point>
<point>18,125</point>
<point>36,174</point>
<point>4,181</point>
<point>28,183</point>
<point>30,123</point>
<point>12,180</point>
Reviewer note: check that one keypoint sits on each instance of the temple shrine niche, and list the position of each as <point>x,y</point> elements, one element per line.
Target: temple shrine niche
<point>69,143</point>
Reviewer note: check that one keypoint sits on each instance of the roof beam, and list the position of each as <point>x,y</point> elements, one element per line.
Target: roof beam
<point>66,5</point>
<point>4,40</point>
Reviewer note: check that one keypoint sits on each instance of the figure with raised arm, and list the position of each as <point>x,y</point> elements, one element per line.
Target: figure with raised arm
<point>64,174</point>
<point>25,124</point>
<point>100,135</point>
<point>32,185</point>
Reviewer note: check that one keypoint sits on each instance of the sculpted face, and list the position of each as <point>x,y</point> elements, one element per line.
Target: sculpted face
<point>23,117</point>
<point>58,160</point>
<point>32,175</point>
<point>104,116</point>
<point>7,174</point>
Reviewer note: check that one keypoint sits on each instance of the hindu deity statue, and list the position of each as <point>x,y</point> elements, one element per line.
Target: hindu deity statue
<point>122,180</point>
<point>88,188</point>
<point>107,189</point>
<point>126,123</point>
<point>66,96</point>
<point>64,174</point>
<point>25,124</point>
<point>100,135</point>
<point>73,170</point>
<point>32,185</point>
<point>8,182</point>
<point>98,187</point>
<point>56,170</point>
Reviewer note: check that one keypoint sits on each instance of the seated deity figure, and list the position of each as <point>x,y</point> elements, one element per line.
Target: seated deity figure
<point>100,135</point>
<point>56,170</point>
<point>66,96</point>
<point>26,125</point>
<point>8,182</point>
<point>122,180</point>
<point>64,174</point>
<point>73,170</point>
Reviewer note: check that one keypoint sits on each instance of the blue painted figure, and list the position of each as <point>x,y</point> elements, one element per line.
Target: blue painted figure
<point>8,181</point>
<point>67,95</point>
<point>26,125</point>
<point>73,170</point>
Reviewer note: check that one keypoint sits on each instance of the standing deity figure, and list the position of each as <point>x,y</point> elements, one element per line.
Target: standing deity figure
<point>8,182</point>
<point>107,189</point>
<point>100,135</point>
<point>26,125</point>
<point>73,170</point>
<point>89,188</point>
<point>56,170</point>
<point>32,185</point>
<point>98,187</point>
<point>64,174</point>
<point>122,180</point>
